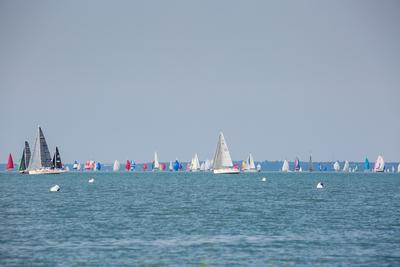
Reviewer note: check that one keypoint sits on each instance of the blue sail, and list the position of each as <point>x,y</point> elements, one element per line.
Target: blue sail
<point>98,166</point>
<point>133,165</point>
<point>176,165</point>
<point>366,164</point>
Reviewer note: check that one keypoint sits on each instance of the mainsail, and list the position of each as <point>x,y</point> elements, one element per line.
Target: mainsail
<point>195,164</point>
<point>116,166</point>
<point>56,162</point>
<point>366,165</point>
<point>346,166</point>
<point>41,157</point>
<point>336,166</point>
<point>26,156</point>
<point>156,164</point>
<point>285,166</point>
<point>379,165</point>
<point>10,163</point>
<point>250,162</point>
<point>297,164</point>
<point>222,158</point>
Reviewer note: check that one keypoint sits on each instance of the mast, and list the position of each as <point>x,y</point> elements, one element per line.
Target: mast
<point>222,157</point>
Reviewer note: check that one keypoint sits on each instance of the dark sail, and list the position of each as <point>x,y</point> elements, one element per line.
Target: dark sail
<point>57,164</point>
<point>22,166</point>
<point>27,152</point>
<point>310,167</point>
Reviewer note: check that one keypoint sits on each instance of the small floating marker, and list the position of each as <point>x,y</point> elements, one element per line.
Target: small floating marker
<point>55,188</point>
<point>320,185</point>
<point>264,179</point>
<point>91,181</point>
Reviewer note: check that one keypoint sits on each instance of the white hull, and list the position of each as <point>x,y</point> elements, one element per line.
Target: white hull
<point>227,171</point>
<point>46,171</point>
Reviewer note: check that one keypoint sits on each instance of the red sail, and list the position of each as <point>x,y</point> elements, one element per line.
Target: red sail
<point>144,166</point>
<point>128,165</point>
<point>10,163</point>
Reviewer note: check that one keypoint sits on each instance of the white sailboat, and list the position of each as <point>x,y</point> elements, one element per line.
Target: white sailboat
<point>202,167</point>
<point>346,166</point>
<point>156,163</point>
<point>336,166</point>
<point>41,162</point>
<point>195,164</point>
<point>250,165</point>
<point>207,165</point>
<point>258,167</point>
<point>171,166</point>
<point>116,166</point>
<point>379,164</point>
<point>285,166</point>
<point>393,169</point>
<point>222,159</point>
<point>398,168</point>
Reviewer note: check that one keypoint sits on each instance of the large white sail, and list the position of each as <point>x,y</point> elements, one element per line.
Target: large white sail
<point>116,166</point>
<point>336,166</point>
<point>171,167</point>
<point>250,162</point>
<point>207,165</point>
<point>285,166</point>
<point>40,157</point>
<point>346,166</point>
<point>222,158</point>
<point>379,164</point>
<point>398,168</point>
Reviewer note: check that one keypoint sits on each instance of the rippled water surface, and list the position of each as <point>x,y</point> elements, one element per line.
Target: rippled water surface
<point>200,219</point>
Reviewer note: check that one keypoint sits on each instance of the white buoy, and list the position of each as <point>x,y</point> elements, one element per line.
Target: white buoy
<point>264,179</point>
<point>320,185</point>
<point>91,181</point>
<point>55,188</point>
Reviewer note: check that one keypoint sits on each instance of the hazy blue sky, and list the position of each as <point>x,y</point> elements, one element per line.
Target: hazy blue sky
<point>120,79</point>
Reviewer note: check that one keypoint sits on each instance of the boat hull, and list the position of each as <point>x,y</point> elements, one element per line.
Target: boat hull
<point>46,171</point>
<point>251,170</point>
<point>226,171</point>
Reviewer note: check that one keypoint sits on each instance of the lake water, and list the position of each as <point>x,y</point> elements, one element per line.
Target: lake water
<point>181,219</point>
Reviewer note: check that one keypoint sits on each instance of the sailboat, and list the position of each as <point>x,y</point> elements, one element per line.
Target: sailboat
<point>366,165</point>
<point>56,163</point>
<point>171,166</point>
<point>285,166</point>
<point>379,164</point>
<point>26,156</point>
<point>207,165</point>
<point>176,165</point>
<point>133,165</point>
<point>75,166</point>
<point>156,164</point>
<point>98,166</point>
<point>297,164</point>
<point>40,162</point>
<point>202,166</point>
<point>393,169</point>
<point>10,163</point>
<point>258,167</point>
<point>398,168</point>
<point>195,164</point>
<point>222,159</point>
<point>310,165</point>
<point>251,166</point>
<point>128,165</point>
<point>346,166</point>
<point>244,165</point>
<point>144,166</point>
<point>336,166</point>
<point>116,166</point>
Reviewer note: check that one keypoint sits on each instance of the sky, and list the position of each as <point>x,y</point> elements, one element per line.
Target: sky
<point>119,80</point>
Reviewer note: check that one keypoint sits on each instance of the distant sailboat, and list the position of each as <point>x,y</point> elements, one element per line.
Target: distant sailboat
<point>87,165</point>
<point>75,166</point>
<point>40,162</point>
<point>346,166</point>
<point>156,163</point>
<point>176,165</point>
<point>10,163</point>
<point>379,164</point>
<point>393,169</point>
<point>144,166</point>
<point>56,163</point>
<point>258,167</point>
<point>251,166</point>
<point>26,156</point>
<point>366,165</point>
<point>398,168</point>
<point>202,166</point>
<point>297,164</point>
<point>222,159</point>
<point>171,166</point>
<point>207,165</point>
<point>133,165</point>
<point>336,166</point>
<point>116,166</point>
<point>195,164</point>
<point>128,165</point>
<point>310,165</point>
<point>98,166</point>
<point>285,166</point>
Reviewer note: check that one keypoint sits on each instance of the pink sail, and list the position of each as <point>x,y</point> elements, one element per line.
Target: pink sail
<point>10,163</point>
